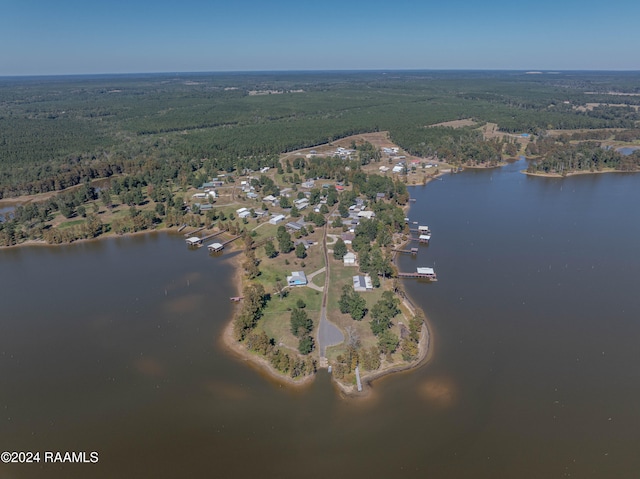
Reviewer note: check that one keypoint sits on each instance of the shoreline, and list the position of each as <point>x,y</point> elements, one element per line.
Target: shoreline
<point>240,352</point>
<point>39,243</point>
<point>573,173</point>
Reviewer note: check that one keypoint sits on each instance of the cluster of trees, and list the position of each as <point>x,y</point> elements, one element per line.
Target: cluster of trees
<point>352,303</point>
<point>561,157</point>
<point>409,345</point>
<point>245,329</point>
<point>289,364</point>
<point>301,327</point>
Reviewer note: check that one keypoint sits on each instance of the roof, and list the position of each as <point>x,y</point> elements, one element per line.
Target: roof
<point>425,271</point>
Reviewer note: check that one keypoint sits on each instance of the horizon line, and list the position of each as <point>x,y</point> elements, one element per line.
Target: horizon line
<point>532,71</point>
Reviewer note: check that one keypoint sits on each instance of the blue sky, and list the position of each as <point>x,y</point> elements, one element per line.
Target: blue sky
<point>44,37</point>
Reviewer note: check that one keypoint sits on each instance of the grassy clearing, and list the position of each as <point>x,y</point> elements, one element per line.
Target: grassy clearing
<point>318,280</point>
<point>69,224</point>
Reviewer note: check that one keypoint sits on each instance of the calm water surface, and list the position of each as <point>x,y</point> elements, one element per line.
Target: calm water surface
<point>112,347</point>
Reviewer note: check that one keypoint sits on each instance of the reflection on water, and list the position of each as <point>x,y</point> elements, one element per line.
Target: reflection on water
<point>438,392</point>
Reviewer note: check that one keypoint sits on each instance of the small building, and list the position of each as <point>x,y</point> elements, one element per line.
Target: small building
<point>347,237</point>
<point>276,219</point>
<point>244,214</point>
<point>384,169</point>
<point>215,247</point>
<point>424,238</point>
<point>380,196</point>
<point>349,259</point>
<point>270,199</point>
<point>264,169</point>
<point>308,184</point>
<point>294,226</point>
<point>398,169</point>
<point>366,214</point>
<point>241,210</point>
<point>362,284</point>
<point>194,241</point>
<point>297,278</point>
<point>252,195</point>
<point>424,229</point>
<point>205,206</point>
<point>306,243</point>
<point>301,203</point>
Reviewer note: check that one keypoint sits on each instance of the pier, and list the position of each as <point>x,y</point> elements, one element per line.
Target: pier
<point>425,273</point>
<point>194,232</point>
<point>422,239</point>
<point>412,251</point>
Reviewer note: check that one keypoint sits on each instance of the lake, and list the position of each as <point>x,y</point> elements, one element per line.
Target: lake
<point>112,346</point>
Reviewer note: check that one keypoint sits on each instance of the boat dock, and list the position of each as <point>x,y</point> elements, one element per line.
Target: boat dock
<point>425,273</point>
<point>421,229</point>
<point>194,232</point>
<point>412,251</point>
<point>422,239</point>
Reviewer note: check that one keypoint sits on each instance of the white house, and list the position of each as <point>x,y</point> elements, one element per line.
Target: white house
<point>366,214</point>
<point>297,278</point>
<point>277,219</point>
<point>349,259</point>
<point>398,169</point>
<point>242,210</point>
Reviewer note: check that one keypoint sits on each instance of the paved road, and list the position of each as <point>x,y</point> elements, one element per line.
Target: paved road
<point>328,333</point>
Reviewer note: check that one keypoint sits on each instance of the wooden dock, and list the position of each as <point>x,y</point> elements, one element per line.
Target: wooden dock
<point>213,235</point>
<point>423,273</point>
<point>194,232</point>
<point>421,239</point>
<point>413,251</point>
<point>225,243</point>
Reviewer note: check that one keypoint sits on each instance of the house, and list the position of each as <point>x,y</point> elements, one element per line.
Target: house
<point>294,226</point>
<point>261,213</point>
<point>242,210</point>
<point>349,259</point>
<point>308,184</point>
<point>244,214</point>
<point>398,169</point>
<point>264,169</point>
<point>204,207</point>
<point>362,284</point>
<point>366,214</point>
<point>306,243</point>
<point>384,169</point>
<point>276,219</point>
<point>269,199</point>
<point>380,196</point>
<point>252,195</point>
<point>297,278</point>
<point>302,203</point>
<point>347,237</point>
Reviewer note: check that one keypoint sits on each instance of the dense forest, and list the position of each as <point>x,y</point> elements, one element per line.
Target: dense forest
<point>59,132</point>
